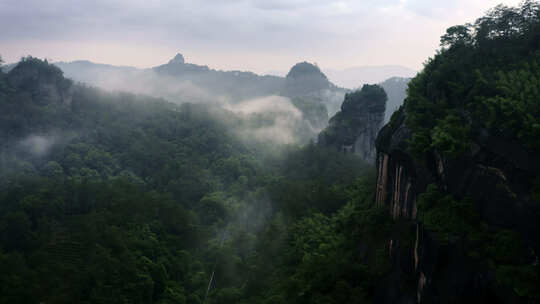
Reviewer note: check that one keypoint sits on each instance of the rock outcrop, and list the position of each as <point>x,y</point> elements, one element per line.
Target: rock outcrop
<point>354,128</point>
<point>495,174</point>
<point>178,59</point>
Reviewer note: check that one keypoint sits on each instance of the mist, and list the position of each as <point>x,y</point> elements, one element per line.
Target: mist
<point>266,112</point>
<point>37,145</point>
<point>280,119</point>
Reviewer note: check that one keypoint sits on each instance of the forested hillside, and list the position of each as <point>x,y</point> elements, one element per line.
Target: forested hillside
<point>113,197</point>
<point>461,160</point>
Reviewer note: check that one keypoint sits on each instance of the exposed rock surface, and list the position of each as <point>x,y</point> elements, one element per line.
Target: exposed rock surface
<point>497,175</point>
<point>354,129</point>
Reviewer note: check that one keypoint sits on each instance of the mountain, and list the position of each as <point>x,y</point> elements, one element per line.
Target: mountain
<point>355,77</point>
<point>459,162</point>
<point>113,197</point>
<point>307,85</point>
<point>237,85</point>
<point>179,81</point>
<point>93,73</point>
<point>109,197</point>
<point>354,128</point>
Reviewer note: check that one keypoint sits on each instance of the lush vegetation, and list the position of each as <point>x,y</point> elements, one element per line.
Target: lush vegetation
<point>115,198</point>
<point>122,198</point>
<point>502,251</point>
<point>480,91</point>
<point>485,77</point>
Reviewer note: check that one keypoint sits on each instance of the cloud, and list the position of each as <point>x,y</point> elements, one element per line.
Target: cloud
<point>271,104</point>
<point>281,120</point>
<point>235,33</point>
<point>37,145</point>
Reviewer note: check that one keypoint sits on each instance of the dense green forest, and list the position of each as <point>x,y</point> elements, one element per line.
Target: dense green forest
<point>486,75</point>
<point>122,198</point>
<point>112,197</point>
<point>476,103</point>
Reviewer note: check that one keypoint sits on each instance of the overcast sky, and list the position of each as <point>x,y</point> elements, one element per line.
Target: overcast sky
<point>256,35</point>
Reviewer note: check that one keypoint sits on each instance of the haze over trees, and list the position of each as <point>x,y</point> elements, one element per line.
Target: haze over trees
<point>220,196</point>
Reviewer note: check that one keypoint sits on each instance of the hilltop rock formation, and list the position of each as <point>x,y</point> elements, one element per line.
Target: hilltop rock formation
<point>178,59</point>
<point>354,128</point>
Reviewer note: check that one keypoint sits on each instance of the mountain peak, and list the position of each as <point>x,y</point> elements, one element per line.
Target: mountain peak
<point>178,59</point>
<point>303,69</point>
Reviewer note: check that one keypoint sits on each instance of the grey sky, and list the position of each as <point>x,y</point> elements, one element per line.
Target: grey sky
<point>257,35</point>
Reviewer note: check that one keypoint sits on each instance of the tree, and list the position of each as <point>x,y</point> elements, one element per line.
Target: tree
<point>457,35</point>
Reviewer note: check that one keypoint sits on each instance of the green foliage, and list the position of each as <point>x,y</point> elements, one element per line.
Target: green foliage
<point>523,279</point>
<point>451,136</point>
<point>535,192</point>
<point>319,261</point>
<point>502,251</point>
<point>118,198</point>
<point>373,95</point>
<point>449,218</point>
<point>457,35</point>
<point>486,76</point>
<point>515,106</point>
<point>511,260</point>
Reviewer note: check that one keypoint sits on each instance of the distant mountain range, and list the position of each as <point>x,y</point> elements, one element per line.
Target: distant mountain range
<point>176,78</point>
<point>180,81</point>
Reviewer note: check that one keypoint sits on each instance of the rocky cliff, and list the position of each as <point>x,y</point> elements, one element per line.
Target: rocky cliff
<point>449,265</point>
<point>354,128</point>
<point>460,161</point>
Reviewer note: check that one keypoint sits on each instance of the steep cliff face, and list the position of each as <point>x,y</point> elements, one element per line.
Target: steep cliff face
<point>497,177</point>
<point>354,129</point>
<point>461,161</point>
